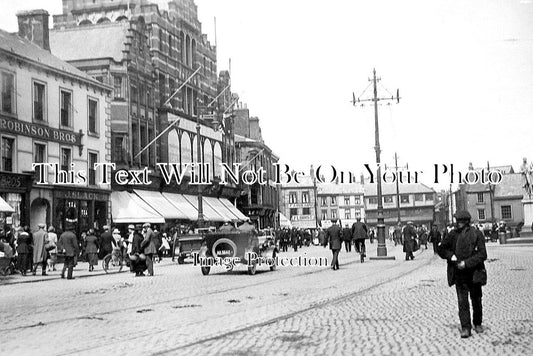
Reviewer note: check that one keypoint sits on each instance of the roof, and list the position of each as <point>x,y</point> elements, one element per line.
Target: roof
<point>303,181</point>
<point>339,189</point>
<point>90,42</point>
<point>16,45</point>
<point>389,189</point>
<point>510,186</point>
<point>508,169</point>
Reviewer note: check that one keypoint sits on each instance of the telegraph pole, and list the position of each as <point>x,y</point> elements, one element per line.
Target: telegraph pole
<point>382,248</point>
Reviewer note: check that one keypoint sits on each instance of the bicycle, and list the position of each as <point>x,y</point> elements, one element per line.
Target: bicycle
<point>113,262</point>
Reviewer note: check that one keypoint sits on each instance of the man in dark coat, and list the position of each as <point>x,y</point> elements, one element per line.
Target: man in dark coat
<point>409,236</point>
<point>334,237</point>
<point>464,250</point>
<point>68,244</point>
<point>149,247</point>
<point>40,255</point>
<point>106,242</point>
<point>23,250</point>
<point>136,264</point>
<point>347,238</point>
<point>359,234</point>
<point>435,237</point>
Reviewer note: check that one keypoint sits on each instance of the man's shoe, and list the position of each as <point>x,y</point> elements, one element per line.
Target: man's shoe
<point>478,329</point>
<point>70,277</point>
<point>465,333</point>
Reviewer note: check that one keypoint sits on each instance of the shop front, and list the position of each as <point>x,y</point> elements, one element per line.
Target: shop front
<point>82,208</point>
<point>14,190</point>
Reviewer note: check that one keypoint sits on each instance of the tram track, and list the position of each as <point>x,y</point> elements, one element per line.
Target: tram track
<point>317,304</point>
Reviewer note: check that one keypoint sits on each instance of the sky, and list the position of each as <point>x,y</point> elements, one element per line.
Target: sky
<point>464,70</point>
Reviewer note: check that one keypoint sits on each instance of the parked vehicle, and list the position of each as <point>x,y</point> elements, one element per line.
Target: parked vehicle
<point>242,247</point>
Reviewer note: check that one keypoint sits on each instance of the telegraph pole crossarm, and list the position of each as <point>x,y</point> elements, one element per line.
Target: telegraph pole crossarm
<point>382,248</point>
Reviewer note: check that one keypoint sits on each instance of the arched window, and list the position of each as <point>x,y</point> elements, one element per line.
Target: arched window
<point>193,54</point>
<point>217,157</point>
<point>186,149</point>
<point>103,20</point>
<point>85,23</point>
<point>121,19</point>
<point>187,51</point>
<point>182,47</point>
<point>173,147</point>
<point>208,158</point>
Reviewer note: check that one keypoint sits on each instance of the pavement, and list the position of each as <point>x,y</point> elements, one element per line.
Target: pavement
<point>379,308</point>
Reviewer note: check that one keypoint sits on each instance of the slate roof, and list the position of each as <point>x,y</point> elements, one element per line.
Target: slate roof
<point>510,186</point>
<point>390,189</point>
<point>90,42</point>
<point>16,45</point>
<point>339,189</point>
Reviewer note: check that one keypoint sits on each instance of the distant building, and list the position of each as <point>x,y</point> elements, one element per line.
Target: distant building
<point>298,202</point>
<point>417,204</point>
<point>342,201</point>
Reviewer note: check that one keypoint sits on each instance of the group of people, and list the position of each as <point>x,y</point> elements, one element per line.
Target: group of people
<point>294,237</point>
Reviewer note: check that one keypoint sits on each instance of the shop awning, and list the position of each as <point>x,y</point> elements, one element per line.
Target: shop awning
<point>221,209</point>
<point>209,213</point>
<point>283,221</point>
<point>161,205</point>
<point>129,208</point>
<point>5,207</point>
<point>179,201</point>
<point>233,209</point>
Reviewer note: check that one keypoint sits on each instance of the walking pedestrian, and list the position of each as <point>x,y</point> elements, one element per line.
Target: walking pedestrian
<point>423,236</point>
<point>334,237</point>
<point>149,247</point>
<point>434,237</point>
<point>52,254</point>
<point>68,244</point>
<point>106,242</point>
<point>91,249</point>
<point>40,255</point>
<point>409,236</point>
<point>359,234</point>
<point>397,234</point>
<point>137,257</point>
<point>347,238</point>
<point>23,250</point>
<point>464,250</point>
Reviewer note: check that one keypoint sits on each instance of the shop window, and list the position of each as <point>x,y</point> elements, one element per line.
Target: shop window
<point>66,158</point>
<point>8,93</point>
<point>93,116</point>
<point>66,108</point>
<point>506,212</point>
<point>93,159</point>
<point>7,151</point>
<point>39,101</point>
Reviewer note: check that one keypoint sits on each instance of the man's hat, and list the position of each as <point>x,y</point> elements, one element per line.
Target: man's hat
<point>462,215</point>
<point>146,225</point>
<point>131,227</point>
<point>334,221</point>
<point>116,231</point>
<point>42,225</point>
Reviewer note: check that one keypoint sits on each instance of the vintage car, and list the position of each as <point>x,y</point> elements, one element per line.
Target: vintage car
<point>245,247</point>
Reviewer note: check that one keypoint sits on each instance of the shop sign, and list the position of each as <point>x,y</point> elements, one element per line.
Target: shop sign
<point>42,132</point>
<point>301,205</point>
<point>80,195</point>
<point>12,180</point>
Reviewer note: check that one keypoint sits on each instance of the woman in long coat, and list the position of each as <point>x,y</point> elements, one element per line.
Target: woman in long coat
<point>409,235</point>
<point>91,249</point>
<point>23,250</point>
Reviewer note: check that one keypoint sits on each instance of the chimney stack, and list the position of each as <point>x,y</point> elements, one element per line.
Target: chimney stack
<point>33,26</point>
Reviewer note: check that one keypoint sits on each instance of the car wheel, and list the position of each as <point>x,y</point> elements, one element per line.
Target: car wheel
<point>181,260</point>
<point>205,270</point>
<point>252,269</point>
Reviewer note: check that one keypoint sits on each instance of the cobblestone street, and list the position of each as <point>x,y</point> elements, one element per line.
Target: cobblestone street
<point>379,307</point>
